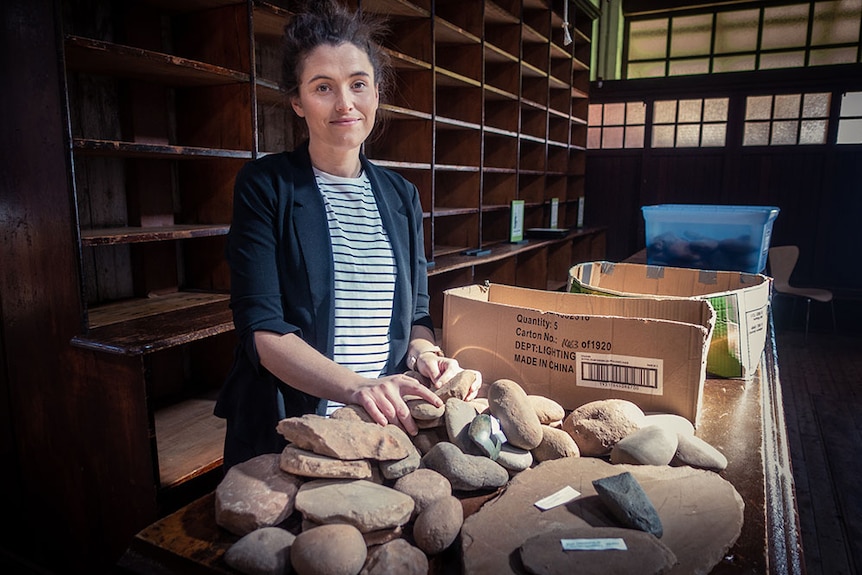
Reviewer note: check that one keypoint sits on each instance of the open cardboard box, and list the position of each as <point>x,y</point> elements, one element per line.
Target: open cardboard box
<point>577,348</point>
<point>740,300</point>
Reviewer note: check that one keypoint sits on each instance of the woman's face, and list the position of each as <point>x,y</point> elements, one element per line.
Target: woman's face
<point>337,96</point>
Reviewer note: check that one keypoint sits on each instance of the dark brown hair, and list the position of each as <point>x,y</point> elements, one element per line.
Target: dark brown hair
<point>328,22</point>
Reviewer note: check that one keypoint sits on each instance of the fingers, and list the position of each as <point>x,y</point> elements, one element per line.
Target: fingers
<point>384,401</point>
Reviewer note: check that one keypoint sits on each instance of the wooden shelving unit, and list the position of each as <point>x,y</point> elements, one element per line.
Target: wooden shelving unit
<point>167,100</point>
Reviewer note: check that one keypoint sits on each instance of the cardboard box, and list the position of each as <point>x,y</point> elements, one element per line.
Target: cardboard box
<point>740,300</point>
<point>578,348</point>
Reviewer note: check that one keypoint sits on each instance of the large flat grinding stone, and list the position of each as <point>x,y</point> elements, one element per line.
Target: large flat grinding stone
<point>700,511</point>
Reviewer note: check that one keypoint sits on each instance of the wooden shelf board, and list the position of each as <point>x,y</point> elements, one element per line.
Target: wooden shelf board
<point>402,165</point>
<point>530,138</point>
<point>452,79</point>
<point>269,20</point>
<point>448,33</point>
<point>556,84</point>
<point>557,144</point>
<point>444,123</point>
<point>500,132</point>
<point>493,170</point>
<point>133,235</point>
<point>530,71</point>
<point>525,103</point>
<point>559,114</point>
<point>455,168</point>
<point>442,251</point>
<point>498,94</point>
<point>496,54</point>
<point>150,333</point>
<point>402,8</point>
<point>405,62</point>
<point>559,52</point>
<point>495,208</point>
<point>152,151</point>
<point>578,65</point>
<point>105,58</point>
<point>445,212</point>
<point>190,440</point>
<point>270,92</point>
<point>579,94</point>
<point>399,112</point>
<point>530,35</point>
<point>453,261</point>
<point>495,14</point>
<point>120,311</point>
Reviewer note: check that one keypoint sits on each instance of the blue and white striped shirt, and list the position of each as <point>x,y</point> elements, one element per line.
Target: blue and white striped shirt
<point>364,274</point>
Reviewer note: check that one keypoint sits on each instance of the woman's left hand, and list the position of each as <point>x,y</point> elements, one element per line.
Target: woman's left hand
<point>441,369</point>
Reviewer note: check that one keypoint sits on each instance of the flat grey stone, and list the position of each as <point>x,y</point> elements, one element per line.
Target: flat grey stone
<point>465,472</point>
<point>514,458</point>
<point>653,445</point>
<point>397,467</point>
<point>363,504</point>
<point>628,502</point>
<point>264,551</point>
<point>543,554</point>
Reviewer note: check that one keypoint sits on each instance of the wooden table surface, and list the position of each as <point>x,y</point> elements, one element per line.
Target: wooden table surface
<point>743,419</point>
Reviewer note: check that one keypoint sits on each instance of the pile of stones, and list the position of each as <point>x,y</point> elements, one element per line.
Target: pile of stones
<point>375,501</point>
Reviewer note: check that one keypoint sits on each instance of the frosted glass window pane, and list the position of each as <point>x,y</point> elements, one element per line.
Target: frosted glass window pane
<point>851,104</point>
<point>756,134</point>
<point>813,132</point>
<point>662,136</point>
<point>850,131</point>
<point>688,67</point>
<point>690,110</point>
<point>645,70</point>
<point>615,114</point>
<point>594,138</point>
<point>648,39</point>
<point>664,112</point>
<point>758,108</point>
<point>784,133</point>
<point>787,106</point>
<point>824,57</point>
<point>714,135</point>
<point>635,113</point>
<point>594,116</point>
<point>733,63</point>
<point>612,138</point>
<point>736,31</point>
<point>816,105</point>
<point>784,26</point>
<point>715,110</point>
<point>782,60</point>
<point>691,35</point>
<point>688,136</point>
<point>836,22</point>
<point>634,137</point>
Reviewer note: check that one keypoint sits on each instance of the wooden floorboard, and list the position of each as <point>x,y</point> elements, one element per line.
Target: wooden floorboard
<point>822,392</point>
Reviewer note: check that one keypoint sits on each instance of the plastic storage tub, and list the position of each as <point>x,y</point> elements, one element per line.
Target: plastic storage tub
<point>711,237</point>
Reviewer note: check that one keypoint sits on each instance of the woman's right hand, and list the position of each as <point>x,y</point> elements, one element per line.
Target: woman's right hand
<point>383,399</point>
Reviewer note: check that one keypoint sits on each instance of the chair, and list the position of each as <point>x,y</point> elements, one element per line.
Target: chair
<point>782,260</point>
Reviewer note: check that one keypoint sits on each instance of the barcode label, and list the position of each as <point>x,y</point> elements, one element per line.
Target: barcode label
<point>622,372</point>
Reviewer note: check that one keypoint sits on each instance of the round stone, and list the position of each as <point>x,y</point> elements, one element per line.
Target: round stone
<point>336,549</point>
<point>508,402</point>
<point>597,426</point>
<point>651,445</point>
<point>436,528</point>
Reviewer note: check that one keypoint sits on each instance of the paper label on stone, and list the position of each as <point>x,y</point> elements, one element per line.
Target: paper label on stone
<point>621,372</point>
<point>561,497</point>
<point>605,544</point>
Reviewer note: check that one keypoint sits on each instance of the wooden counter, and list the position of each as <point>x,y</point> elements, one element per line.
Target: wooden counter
<point>743,419</point>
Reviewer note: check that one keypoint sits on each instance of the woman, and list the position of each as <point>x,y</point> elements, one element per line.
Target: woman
<point>328,273</point>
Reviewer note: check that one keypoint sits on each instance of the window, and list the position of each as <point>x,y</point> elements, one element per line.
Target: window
<point>723,39</point>
<point>696,123</point>
<point>786,119</point>
<point>850,119</point>
<point>618,125</point>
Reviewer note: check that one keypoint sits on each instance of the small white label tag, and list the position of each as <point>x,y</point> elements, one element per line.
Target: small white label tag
<point>599,544</point>
<point>561,497</point>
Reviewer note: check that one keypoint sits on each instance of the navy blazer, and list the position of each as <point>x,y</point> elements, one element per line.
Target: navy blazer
<point>282,280</point>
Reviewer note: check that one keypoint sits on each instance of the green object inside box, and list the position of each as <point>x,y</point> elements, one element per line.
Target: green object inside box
<point>725,351</point>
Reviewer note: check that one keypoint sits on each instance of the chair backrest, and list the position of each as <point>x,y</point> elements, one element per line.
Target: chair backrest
<point>782,260</point>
